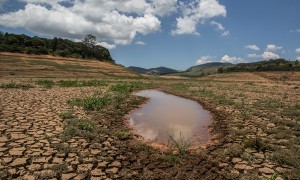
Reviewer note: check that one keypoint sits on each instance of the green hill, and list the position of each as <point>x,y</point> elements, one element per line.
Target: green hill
<point>203,69</point>
<point>271,65</point>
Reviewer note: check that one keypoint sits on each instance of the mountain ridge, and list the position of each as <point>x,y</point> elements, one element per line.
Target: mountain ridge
<point>153,71</point>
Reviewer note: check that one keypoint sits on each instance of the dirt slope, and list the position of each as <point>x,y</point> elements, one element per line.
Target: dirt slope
<point>13,64</point>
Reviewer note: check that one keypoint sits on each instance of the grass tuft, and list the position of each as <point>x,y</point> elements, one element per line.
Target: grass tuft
<point>46,83</point>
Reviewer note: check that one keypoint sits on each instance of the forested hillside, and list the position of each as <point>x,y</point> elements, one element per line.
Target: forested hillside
<point>57,46</point>
<point>271,65</point>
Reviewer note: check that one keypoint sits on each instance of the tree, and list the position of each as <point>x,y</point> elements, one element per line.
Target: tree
<point>89,43</point>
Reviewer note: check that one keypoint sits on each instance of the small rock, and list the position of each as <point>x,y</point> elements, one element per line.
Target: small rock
<point>35,167</point>
<point>102,164</point>
<point>68,176</point>
<point>7,160</point>
<point>242,167</point>
<point>236,160</point>
<point>266,170</point>
<point>115,164</point>
<point>19,162</point>
<point>80,176</point>
<point>259,155</point>
<point>58,160</point>
<point>3,139</point>
<point>113,170</point>
<point>97,172</point>
<point>84,167</point>
<point>107,144</point>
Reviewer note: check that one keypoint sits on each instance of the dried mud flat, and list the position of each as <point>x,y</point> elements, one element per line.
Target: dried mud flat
<point>256,133</point>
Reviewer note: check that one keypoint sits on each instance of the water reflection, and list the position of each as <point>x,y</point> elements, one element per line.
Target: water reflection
<point>166,115</point>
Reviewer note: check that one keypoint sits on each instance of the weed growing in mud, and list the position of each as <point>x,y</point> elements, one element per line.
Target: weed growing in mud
<point>16,86</point>
<point>81,128</point>
<point>66,115</point>
<point>181,145</point>
<point>257,144</point>
<point>59,168</point>
<point>234,150</point>
<point>85,125</point>
<point>170,157</point>
<point>92,103</point>
<point>123,135</point>
<point>45,82</point>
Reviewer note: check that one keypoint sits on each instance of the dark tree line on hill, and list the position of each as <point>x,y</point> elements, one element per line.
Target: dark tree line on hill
<point>271,65</point>
<point>57,46</point>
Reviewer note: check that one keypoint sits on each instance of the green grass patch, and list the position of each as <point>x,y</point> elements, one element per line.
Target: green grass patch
<point>16,86</point>
<point>45,82</point>
<point>123,135</point>
<point>66,115</point>
<point>125,88</point>
<point>81,128</point>
<point>92,103</point>
<point>170,157</point>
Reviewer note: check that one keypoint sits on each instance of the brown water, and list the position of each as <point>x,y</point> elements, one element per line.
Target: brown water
<point>166,115</point>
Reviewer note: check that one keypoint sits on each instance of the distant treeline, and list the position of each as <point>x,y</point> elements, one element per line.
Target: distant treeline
<point>57,46</point>
<point>271,65</point>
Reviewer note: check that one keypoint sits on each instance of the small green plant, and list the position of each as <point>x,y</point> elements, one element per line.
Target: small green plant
<point>122,135</point>
<point>16,86</point>
<point>234,150</point>
<point>245,114</point>
<point>257,144</point>
<point>46,83</point>
<point>120,88</point>
<point>181,145</point>
<point>85,125</point>
<point>66,115</point>
<point>274,176</point>
<point>170,157</point>
<point>82,128</point>
<point>59,168</point>
<point>92,103</point>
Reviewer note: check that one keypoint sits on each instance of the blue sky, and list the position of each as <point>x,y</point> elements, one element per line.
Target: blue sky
<point>172,33</point>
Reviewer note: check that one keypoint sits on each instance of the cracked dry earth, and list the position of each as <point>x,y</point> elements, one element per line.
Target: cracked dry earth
<point>29,124</point>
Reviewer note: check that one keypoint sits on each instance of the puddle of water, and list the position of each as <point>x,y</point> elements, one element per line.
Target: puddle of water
<point>166,115</point>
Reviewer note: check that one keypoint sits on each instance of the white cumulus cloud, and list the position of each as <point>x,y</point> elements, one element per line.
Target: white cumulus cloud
<point>297,50</point>
<point>110,21</point>
<point>205,59</point>
<point>197,12</point>
<point>107,45</point>
<point>233,59</point>
<point>140,43</point>
<point>298,58</point>
<point>273,48</point>
<point>270,55</point>
<point>252,47</point>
